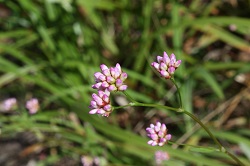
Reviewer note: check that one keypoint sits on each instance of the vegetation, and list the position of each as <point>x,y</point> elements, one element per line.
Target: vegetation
<point>50,49</point>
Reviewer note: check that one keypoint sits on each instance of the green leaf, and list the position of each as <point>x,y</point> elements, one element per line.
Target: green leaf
<point>203,149</point>
<point>225,36</point>
<point>109,43</point>
<point>10,76</point>
<point>210,80</point>
<point>246,149</point>
<point>46,36</point>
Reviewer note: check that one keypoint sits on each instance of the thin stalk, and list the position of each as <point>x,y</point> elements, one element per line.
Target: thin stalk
<point>130,98</point>
<point>155,105</point>
<point>234,157</point>
<point>138,104</point>
<point>222,149</point>
<point>178,90</point>
<point>123,106</point>
<point>205,128</point>
<point>194,146</point>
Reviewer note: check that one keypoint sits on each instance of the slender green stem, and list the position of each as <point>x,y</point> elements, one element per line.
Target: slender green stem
<point>194,146</point>
<point>235,158</point>
<point>222,149</point>
<point>130,98</point>
<point>123,106</point>
<point>204,127</point>
<point>137,104</point>
<point>178,90</point>
<point>155,105</point>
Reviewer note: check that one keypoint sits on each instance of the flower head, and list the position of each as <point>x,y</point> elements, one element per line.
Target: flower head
<point>9,104</point>
<point>166,65</point>
<point>100,103</point>
<point>32,105</point>
<point>110,78</point>
<point>160,156</point>
<point>90,161</point>
<point>158,134</point>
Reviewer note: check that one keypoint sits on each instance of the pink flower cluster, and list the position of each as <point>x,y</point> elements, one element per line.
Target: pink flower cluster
<point>166,65</point>
<point>109,79</point>
<point>112,79</point>
<point>32,105</point>
<point>11,104</point>
<point>158,134</point>
<point>100,103</point>
<point>161,156</point>
<point>90,161</point>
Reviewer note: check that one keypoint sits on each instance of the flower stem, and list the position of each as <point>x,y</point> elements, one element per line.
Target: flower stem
<point>123,106</point>
<point>155,105</point>
<point>178,90</point>
<point>221,148</point>
<point>204,127</point>
<point>194,146</point>
<point>235,158</point>
<point>130,98</point>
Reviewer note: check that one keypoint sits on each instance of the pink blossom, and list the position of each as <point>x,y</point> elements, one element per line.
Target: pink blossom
<point>158,134</point>
<point>161,156</point>
<point>111,78</point>
<point>90,161</point>
<point>32,105</point>
<point>166,65</point>
<point>9,104</point>
<point>100,103</point>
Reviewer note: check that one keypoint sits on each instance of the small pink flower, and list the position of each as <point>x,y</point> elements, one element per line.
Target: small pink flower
<point>100,103</point>
<point>158,134</point>
<point>110,78</point>
<point>166,65</point>
<point>32,105</point>
<point>161,156</point>
<point>90,161</point>
<point>9,104</point>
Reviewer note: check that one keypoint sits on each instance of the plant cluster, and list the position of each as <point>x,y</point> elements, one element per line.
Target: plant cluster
<point>113,80</point>
<point>50,50</point>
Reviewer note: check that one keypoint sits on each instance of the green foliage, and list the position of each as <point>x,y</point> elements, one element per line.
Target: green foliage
<point>50,49</point>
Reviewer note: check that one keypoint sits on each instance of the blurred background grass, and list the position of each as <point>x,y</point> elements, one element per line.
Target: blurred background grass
<point>49,49</point>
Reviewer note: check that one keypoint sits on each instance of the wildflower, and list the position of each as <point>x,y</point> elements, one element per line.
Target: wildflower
<point>111,79</point>
<point>86,161</point>
<point>9,104</point>
<point>32,105</point>
<point>100,103</point>
<point>160,156</point>
<point>158,134</point>
<point>89,161</point>
<point>165,65</point>
<point>232,27</point>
